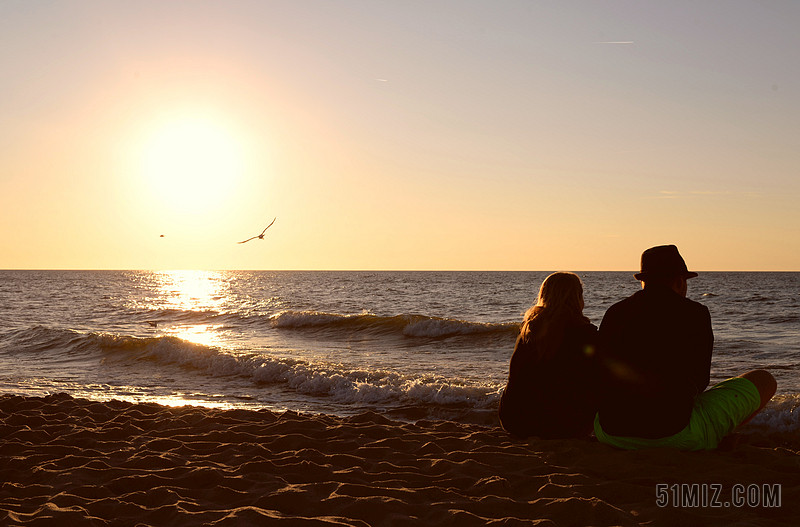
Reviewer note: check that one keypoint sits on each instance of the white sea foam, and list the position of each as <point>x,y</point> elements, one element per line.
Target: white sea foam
<point>359,386</point>
<point>781,414</point>
<point>343,384</point>
<point>419,334</point>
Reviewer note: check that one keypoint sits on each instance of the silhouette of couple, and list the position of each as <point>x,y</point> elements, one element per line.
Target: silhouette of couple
<point>638,382</point>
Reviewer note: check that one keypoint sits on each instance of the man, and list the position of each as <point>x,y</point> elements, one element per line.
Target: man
<point>655,354</point>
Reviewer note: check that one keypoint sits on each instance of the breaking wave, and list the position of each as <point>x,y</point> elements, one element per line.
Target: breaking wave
<point>407,325</point>
<point>341,383</point>
<point>389,390</point>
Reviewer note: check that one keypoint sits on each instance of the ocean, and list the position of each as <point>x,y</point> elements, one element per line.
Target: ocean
<point>409,345</point>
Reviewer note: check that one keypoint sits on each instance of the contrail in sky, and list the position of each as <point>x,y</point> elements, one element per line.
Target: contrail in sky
<point>616,42</point>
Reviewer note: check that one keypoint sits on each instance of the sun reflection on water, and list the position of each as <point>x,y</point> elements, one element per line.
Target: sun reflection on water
<point>177,400</point>
<point>193,290</point>
<point>201,292</point>
<point>204,334</point>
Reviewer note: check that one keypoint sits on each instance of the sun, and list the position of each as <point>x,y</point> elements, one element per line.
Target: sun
<point>191,163</point>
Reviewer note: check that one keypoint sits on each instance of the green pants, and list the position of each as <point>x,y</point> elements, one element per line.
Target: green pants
<point>716,413</point>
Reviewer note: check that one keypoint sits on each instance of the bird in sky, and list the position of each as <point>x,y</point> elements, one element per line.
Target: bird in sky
<point>260,236</point>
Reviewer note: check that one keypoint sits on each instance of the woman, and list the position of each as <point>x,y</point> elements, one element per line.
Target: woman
<point>551,382</point>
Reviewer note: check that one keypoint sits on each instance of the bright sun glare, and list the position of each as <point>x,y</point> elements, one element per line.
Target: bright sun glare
<point>194,291</point>
<point>191,163</point>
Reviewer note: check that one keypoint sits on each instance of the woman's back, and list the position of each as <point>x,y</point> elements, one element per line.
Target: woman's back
<point>551,381</point>
<point>552,396</point>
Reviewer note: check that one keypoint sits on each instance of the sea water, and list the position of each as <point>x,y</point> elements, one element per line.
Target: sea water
<point>408,344</point>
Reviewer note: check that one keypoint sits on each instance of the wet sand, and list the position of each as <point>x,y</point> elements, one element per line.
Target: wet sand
<point>66,461</point>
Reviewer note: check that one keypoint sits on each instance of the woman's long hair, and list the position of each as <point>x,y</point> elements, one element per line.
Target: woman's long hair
<point>560,302</point>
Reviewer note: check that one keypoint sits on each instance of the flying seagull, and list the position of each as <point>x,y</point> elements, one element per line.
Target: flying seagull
<point>260,236</point>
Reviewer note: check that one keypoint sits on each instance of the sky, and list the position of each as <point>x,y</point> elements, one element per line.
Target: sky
<point>399,135</point>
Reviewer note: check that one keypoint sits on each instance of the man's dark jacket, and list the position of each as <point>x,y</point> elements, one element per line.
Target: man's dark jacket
<point>655,355</point>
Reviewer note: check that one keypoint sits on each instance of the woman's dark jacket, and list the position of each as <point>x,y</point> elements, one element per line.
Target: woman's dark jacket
<point>553,397</point>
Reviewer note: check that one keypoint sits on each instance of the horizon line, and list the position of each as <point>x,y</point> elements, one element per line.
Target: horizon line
<point>153,270</point>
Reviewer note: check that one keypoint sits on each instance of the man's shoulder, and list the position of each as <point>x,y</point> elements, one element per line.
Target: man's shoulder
<point>659,300</point>
<point>629,302</point>
<point>695,306</point>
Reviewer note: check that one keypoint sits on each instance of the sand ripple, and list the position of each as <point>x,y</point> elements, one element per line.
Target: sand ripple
<point>66,461</point>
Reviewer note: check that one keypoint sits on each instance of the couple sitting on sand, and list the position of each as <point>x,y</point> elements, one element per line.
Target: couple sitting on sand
<point>638,382</point>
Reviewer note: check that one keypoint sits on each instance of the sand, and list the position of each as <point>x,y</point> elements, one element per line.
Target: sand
<point>66,461</point>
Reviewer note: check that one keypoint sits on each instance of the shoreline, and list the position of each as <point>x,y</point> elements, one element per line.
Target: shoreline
<point>71,460</point>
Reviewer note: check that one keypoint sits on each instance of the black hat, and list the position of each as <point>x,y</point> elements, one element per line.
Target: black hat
<point>663,261</point>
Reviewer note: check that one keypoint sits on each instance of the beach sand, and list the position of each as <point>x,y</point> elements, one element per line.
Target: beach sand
<point>66,461</point>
